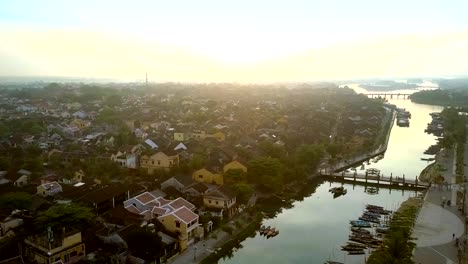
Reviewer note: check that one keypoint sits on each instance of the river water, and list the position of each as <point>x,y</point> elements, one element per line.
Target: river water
<point>313,230</point>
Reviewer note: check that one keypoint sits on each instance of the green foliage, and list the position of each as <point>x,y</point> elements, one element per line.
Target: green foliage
<point>227,229</point>
<point>309,156</point>
<point>16,200</point>
<point>114,100</point>
<point>234,176</point>
<point>267,172</point>
<point>243,192</point>
<point>65,215</point>
<point>145,245</point>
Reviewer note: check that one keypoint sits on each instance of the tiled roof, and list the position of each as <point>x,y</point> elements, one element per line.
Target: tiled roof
<point>145,198</point>
<point>185,215</point>
<point>180,202</point>
<point>133,209</point>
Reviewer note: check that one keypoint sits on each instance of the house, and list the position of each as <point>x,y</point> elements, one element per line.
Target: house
<point>159,160</point>
<point>179,182</point>
<point>74,178</point>
<point>80,114</point>
<point>150,144</point>
<point>219,136</point>
<point>196,189</point>
<point>222,199</point>
<point>49,189</point>
<point>54,248</point>
<point>176,216</point>
<point>234,165</point>
<point>20,178</point>
<point>208,176</point>
<point>108,197</point>
<point>126,160</point>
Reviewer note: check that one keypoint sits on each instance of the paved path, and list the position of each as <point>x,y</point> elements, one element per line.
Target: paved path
<point>436,224</point>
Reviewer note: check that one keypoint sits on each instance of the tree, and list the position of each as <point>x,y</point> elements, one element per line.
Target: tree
<point>114,100</point>
<point>243,192</point>
<point>309,156</point>
<point>145,245</point>
<point>266,171</point>
<point>16,200</point>
<point>234,176</point>
<point>65,215</point>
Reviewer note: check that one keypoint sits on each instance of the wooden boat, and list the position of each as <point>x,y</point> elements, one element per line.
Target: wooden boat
<point>358,245</point>
<point>270,232</point>
<point>356,252</point>
<point>333,262</point>
<point>360,223</point>
<point>265,231</point>
<point>275,233</point>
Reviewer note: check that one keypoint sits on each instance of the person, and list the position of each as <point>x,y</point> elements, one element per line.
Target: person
<point>453,236</point>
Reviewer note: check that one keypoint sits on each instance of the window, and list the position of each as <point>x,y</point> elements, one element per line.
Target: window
<point>225,203</point>
<point>73,254</point>
<point>200,176</point>
<point>209,201</point>
<point>216,202</point>
<point>152,162</point>
<point>57,259</point>
<point>159,162</point>
<point>177,224</point>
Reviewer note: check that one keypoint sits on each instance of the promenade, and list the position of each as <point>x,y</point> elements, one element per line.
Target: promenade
<point>438,226</point>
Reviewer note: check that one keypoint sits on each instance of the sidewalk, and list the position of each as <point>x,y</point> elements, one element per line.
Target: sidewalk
<point>198,251</point>
<point>436,223</point>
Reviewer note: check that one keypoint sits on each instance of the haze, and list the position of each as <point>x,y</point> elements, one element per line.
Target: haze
<point>240,41</point>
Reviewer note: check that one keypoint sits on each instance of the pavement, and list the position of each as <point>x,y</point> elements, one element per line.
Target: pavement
<point>438,226</point>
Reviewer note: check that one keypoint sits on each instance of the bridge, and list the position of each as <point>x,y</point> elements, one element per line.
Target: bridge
<point>373,177</point>
<point>390,95</point>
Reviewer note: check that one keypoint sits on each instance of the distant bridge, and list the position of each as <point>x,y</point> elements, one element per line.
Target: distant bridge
<point>390,95</point>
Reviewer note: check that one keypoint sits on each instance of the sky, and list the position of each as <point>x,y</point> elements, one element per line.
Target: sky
<point>234,41</point>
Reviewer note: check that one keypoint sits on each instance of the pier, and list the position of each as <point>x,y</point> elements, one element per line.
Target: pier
<point>374,178</point>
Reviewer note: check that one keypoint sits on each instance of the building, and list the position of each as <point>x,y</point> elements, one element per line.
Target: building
<point>208,176</point>
<point>159,161</point>
<point>221,200</point>
<point>49,189</point>
<point>50,248</point>
<point>177,215</point>
<point>234,165</point>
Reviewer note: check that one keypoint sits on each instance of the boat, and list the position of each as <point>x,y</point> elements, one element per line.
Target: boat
<point>275,233</point>
<point>270,232</point>
<point>333,262</point>
<point>332,190</point>
<point>356,245</point>
<point>360,223</point>
<point>265,230</point>
<point>356,252</point>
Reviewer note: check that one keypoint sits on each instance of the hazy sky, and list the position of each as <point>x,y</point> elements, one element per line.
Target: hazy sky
<point>244,41</point>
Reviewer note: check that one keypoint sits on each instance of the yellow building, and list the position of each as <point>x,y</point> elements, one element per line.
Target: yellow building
<point>185,223</point>
<point>159,161</point>
<point>68,248</point>
<point>204,175</point>
<point>222,199</point>
<point>220,136</point>
<point>234,165</point>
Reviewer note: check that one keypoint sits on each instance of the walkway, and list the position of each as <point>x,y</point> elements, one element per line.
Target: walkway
<point>436,224</point>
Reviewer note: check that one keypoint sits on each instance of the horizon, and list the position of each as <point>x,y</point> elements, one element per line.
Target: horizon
<point>206,41</point>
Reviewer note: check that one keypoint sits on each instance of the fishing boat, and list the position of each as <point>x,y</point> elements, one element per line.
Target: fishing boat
<point>356,252</point>
<point>275,233</point>
<point>265,230</point>
<point>360,223</point>
<point>270,232</point>
<point>358,245</point>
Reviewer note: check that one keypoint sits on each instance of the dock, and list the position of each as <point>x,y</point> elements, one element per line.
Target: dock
<point>373,177</point>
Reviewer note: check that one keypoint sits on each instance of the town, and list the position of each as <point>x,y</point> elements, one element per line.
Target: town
<point>109,173</point>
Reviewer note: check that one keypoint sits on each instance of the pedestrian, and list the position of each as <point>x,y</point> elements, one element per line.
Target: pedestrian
<point>453,236</point>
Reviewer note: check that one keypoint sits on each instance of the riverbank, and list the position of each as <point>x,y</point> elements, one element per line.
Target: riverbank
<point>359,159</point>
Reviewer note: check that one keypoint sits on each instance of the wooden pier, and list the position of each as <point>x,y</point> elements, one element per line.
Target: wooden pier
<point>389,95</point>
<point>373,176</point>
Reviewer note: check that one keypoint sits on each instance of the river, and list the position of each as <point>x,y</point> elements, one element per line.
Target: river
<point>313,230</point>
